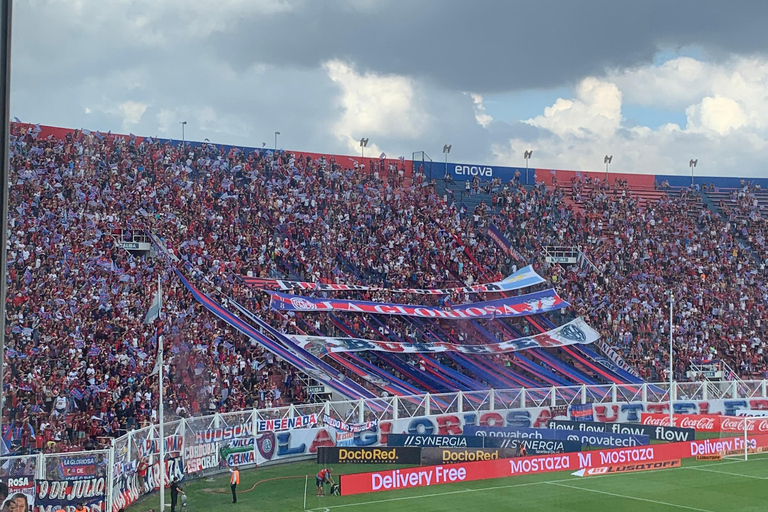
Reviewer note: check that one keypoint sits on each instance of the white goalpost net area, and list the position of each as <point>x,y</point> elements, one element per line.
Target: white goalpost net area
<point>736,436</point>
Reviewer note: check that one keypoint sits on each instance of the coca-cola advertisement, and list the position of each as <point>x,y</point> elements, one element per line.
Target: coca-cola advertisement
<point>708,422</point>
<point>698,422</point>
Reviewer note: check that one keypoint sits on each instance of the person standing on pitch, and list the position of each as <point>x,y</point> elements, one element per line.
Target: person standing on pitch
<point>233,481</point>
<point>323,477</point>
<point>175,490</point>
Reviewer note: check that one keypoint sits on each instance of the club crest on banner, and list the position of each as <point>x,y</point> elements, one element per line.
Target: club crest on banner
<point>266,444</point>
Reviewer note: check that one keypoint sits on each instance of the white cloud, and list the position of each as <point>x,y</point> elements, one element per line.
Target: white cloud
<point>132,112</point>
<point>482,118</point>
<point>725,106</point>
<point>374,105</point>
<point>719,115</point>
<point>595,110</point>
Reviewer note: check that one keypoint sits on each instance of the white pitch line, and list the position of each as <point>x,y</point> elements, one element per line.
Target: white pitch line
<point>741,475</point>
<point>628,497</point>
<point>420,496</point>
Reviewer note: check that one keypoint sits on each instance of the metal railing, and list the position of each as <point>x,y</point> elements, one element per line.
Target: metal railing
<point>126,451</point>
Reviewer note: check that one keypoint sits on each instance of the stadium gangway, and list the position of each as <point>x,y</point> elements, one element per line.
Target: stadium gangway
<point>623,375</point>
<point>338,322</point>
<point>279,335</point>
<point>600,370</point>
<point>542,355</point>
<point>542,373</point>
<point>481,366</point>
<point>375,375</point>
<point>468,383</point>
<point>483,363</point>
<point>471,383</point>
<point>299,358</point>
<point>497,379</point>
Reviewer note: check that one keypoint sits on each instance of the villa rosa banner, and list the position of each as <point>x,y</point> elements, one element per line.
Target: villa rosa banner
<point>575,332</point>
<point>523,305</point>
<point>523,278</point>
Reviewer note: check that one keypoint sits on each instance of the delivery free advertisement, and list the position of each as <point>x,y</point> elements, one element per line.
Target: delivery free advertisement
<point>498,468</point>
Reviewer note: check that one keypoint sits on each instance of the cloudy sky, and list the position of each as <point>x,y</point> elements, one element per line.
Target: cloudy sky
<point>654,83</point>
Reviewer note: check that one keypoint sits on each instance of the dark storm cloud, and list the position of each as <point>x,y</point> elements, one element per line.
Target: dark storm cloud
<point>490,45</point>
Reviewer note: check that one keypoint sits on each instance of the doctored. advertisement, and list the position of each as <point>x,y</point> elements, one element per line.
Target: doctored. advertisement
<point>368,455</point>
<point>434,456</point>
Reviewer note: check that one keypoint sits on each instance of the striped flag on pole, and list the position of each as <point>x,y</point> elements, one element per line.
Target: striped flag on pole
<point>157,305</point>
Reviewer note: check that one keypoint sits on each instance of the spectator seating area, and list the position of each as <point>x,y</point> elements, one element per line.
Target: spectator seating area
<point>80,357</point>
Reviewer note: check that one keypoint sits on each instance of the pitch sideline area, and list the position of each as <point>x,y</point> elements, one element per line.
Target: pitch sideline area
<point>705,486</point>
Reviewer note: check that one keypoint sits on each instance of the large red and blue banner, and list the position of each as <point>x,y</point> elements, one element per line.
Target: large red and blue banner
<point>56,494</point>
<point>498,237</point>
<point>523,305</point>
<point>523,278</point>
<point>575,332</point>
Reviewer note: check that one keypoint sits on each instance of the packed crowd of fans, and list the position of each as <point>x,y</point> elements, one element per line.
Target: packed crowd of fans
<point>81,358</point>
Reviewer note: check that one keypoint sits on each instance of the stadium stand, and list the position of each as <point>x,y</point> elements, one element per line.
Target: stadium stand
<point>83,203</point>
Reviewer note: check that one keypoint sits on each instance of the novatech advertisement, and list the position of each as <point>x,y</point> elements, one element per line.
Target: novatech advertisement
<point>585,438</point>
<point>368,455</point>
<point>655,433</point>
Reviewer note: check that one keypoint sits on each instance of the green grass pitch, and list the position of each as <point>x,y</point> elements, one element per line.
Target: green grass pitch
<point>730,485</point>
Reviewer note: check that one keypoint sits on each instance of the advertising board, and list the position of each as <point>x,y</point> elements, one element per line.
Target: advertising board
<point>654,432</point>
<point>368,455</point>
<point>480,470</point>
<point>603,439</point>
<point>435,456</point>
<point>435,441</point>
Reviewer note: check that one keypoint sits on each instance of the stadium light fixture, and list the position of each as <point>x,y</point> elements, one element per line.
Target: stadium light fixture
<point>363,144</point>
<point>183,124</point>
<point>446,150</point>
<point>527,155</point>
<point>276,134</point>
<point>607,160</point>
<point>692,164</point>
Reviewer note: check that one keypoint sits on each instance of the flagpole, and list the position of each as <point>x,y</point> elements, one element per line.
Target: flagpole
<point>160,413</point>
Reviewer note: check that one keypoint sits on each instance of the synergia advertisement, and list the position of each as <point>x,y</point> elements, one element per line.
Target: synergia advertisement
<point>425,476</point>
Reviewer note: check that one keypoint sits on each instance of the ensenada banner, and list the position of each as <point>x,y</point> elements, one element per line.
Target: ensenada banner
<point>575,332</point>
<point>349,427</point>
<point>426,476</point>
<point>523,278</point>
<point>523,305</point>
<point>308,420</point>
